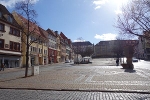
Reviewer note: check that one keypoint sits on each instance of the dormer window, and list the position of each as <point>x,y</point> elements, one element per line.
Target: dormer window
<point>10,19</point>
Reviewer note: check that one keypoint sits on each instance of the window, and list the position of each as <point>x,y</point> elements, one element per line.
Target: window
<point>31,48</point>
<point>39,50</point>
<point>14,46</point>
<point>2,27</point>
<point>18,46</point>
<point>14,31</point>
<point>10,19</point>
<point>11,45</point>
<point>1,43</point>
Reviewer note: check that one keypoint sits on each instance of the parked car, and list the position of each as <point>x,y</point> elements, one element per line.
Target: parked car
<point>134,59</point>
<point>67,61</point>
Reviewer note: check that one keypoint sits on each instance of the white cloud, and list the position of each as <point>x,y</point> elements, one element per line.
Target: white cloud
<point>118,12</point>
<point>97,7</point>
<point>11,3</point>
<point>107,36</point>
<point>98,3</point>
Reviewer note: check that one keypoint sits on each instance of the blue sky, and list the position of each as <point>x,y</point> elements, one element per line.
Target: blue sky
<point>92,20</point>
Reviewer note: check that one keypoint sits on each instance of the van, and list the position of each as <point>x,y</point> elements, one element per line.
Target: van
<point>77,59</point>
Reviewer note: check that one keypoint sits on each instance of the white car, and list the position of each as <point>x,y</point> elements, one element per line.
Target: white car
<point>67,61</point>
<point>134,59</point>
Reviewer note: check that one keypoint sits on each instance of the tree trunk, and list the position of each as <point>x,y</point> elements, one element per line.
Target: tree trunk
<point>129,63</point>
<point>129,51</point>
<point>27,57</point>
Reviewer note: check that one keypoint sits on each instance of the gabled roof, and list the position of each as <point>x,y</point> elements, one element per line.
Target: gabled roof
<point>5,14</point>
<point>51,32</point>
<point>43,33</point>
<point>63,36</point>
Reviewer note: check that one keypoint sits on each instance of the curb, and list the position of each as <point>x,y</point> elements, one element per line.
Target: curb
<point>119,91</point>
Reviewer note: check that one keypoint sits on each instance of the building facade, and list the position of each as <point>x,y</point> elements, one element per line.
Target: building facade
<point>113,48</point>
<point>68,45</point>
<point>84,48</point>
<point>58,46</point>
<point>52,47</point>
<point>38,50</point>
<point>63,49</point>
<point>10,40</point>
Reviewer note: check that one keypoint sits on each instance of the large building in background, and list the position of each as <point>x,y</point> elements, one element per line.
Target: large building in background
<point>113,48</point>
<point>84,48</point>
<point>104,49</point>
<point>10,40</point>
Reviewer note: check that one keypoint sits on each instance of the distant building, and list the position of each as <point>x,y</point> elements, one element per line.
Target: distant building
<point>112,48</point>
<point>84,48</point>
<point>144,47</point>
<point>104,49</point>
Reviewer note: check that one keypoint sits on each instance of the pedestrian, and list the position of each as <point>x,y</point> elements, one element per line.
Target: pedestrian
<point>117,62</point>
<point>2,67</point>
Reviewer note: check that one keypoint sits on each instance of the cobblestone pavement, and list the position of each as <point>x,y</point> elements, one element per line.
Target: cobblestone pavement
<point>11,94</point>
<point>68,77</point>
<point>79,82</point>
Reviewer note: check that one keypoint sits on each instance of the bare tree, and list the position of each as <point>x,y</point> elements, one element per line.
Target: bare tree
<point>29,28</point>
<point>135,18</point>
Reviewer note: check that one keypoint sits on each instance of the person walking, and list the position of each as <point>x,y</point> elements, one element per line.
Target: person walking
<point>117,62</point>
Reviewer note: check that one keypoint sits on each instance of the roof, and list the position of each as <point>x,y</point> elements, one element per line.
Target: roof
<point>117,41</point>
<point>82,43</point>
<point>43,33</point>
<point>5,14</point>
<point>33,26</point>
<point>51,32</point>
<point>63,36</point>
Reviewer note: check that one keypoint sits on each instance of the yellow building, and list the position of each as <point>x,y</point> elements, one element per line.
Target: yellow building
<point>38,49</point>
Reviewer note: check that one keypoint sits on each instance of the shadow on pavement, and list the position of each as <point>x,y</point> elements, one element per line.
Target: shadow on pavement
<point>130,70</point>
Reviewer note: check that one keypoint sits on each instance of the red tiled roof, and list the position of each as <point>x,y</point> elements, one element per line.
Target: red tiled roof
<point>43,33</point>
<point>32,27</point>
